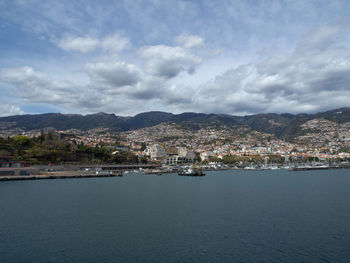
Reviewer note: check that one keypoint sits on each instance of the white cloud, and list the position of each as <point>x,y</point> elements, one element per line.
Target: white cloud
<point>9,110</point>
<point>111,43</point>
<point>190,41</point>
<point>32,86</point>
<point>37,87</point>
<point>115,43</point>
<point>321,37</point>
<point>168,62</point>
<point>81,44</point>
<point>20,75</point>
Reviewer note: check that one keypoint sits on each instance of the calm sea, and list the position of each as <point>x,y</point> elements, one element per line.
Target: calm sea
<point>230,216</point>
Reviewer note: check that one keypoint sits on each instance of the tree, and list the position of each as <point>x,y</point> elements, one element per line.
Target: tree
<point>143,146</point>
<point>144,159</point>
<point>214,159</point>
<point>22,141</point>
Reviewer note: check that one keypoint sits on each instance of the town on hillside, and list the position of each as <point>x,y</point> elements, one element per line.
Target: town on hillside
<point>172,144</point>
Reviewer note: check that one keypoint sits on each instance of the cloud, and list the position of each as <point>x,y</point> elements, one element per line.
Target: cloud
<point>309,72</point>
<point>122,80</point>
<point>168,62</point>
<point>321,37</point>
<point>111,43</point>
<point>9,110</point>
<point>115,43</point>
<point>116,74</point>
<point>148,88</point>
<point>114,87</point>
<point>81,44</point>
<point>308,79</point>
<point>190,41</point>
<point>305,80</point>
<point>37,87</point>
<point>20,75</point>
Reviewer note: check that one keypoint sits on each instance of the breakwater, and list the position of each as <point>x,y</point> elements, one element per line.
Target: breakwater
<point>58,175</point>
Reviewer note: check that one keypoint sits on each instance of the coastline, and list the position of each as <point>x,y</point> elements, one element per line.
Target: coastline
<point>74,174</point>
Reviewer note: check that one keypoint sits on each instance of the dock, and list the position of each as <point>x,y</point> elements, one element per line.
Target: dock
<point>58,175</point>
<point>316,168</point>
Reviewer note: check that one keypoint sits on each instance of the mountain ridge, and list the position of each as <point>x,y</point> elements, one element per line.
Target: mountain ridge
<point>280,124</point>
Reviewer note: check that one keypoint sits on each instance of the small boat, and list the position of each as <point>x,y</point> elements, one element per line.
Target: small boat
<point>109,173</point>
<point>117,173</point>
<point>191,172</point>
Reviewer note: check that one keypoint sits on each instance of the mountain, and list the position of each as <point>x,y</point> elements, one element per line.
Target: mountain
<point>341,115</point>
<point>62,121</point>
<point>146,119</point>
<point>282,125</point>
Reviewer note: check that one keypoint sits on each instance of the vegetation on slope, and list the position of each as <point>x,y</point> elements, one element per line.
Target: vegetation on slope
<point>52,148</point>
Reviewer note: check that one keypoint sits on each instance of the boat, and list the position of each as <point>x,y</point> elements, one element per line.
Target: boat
<point>117,173</point>
<point>191,172</point>
<point>109,173</point>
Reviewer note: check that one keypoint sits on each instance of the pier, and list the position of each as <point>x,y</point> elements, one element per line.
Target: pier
<point>59,175</point>
<point>316,168</point>
<point>121,167</point>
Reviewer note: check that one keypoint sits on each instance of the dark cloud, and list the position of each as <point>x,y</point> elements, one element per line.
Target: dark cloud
<point>334,80</point>
<point>115,74</point>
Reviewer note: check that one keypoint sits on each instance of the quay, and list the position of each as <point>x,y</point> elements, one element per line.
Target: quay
<point>59,175</point>
<point>317,168</point>
<point>69,171</point>
<point>121,167</point>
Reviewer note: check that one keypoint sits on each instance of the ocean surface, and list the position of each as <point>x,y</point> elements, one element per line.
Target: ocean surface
<point>227,216</point>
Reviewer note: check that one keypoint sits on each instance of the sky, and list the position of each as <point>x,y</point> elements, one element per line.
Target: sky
<point>130,56</point>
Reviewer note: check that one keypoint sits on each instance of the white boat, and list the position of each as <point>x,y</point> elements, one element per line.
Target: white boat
<point>192,172</point>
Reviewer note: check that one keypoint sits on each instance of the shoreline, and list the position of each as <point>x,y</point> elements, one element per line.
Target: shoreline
<point>73,174</point>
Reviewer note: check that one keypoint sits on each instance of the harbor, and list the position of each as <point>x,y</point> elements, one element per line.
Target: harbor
<point>98,171</point>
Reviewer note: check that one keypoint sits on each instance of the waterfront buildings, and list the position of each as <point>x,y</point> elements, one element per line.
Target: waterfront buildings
<point>10,167</point>
<point>171,155</point>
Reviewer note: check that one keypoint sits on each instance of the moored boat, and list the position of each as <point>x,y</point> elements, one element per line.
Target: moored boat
<point>192,172</point>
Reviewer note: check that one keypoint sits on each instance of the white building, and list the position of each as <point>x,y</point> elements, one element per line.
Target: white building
<point>205,155</point>
<point>156,152</point>
<point>185,153</point>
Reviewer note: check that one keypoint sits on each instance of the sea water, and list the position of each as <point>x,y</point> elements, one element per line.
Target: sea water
<point>226,216</point>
